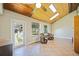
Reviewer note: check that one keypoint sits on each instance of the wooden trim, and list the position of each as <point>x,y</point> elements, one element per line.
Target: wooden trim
<point>76,34</point>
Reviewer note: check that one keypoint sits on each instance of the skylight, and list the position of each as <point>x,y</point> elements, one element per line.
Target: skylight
<point>52,8</point>
<point>38,5</point>
<point>54,16</point>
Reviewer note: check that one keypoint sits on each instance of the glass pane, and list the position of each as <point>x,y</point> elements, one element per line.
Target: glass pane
<point>18,35</point>
<point>45,29</point>
<point>35,28</point>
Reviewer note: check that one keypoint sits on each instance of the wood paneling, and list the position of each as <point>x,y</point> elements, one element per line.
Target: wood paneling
<point>43,13</point>
<point>73,6</point>
<point>19,8</point>
<point>76,34</point>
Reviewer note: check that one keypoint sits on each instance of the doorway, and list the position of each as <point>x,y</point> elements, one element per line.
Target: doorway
<point>18,33</point>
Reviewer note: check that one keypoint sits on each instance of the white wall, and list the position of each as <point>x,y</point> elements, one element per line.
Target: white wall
<point>5,28</point>
<point>1,8</point>
<point>64,27</point>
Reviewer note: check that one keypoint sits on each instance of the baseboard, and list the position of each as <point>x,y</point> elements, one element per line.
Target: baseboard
<point>32,43</point>
<point>63,37</point>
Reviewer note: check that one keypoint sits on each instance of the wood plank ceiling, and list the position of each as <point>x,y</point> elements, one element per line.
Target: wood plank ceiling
<point>43,13</point>
<point>19,8</point>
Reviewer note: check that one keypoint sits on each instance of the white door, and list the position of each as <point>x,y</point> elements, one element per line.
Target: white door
<point>18,33</point>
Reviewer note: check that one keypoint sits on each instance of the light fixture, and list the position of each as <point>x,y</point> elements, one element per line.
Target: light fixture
<point>38,5</point>
<point>52,8</point>
<point>54,16</point>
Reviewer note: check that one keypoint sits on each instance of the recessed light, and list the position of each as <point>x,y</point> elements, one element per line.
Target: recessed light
<point>38,5</point>
<point>52,8</point>
<point>54,16</point>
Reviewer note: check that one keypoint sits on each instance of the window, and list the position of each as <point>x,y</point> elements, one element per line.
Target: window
<point>35,28</point>
<point>45,29</point>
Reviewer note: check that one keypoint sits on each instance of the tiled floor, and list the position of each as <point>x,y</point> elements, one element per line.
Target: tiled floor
<point>56,47</point>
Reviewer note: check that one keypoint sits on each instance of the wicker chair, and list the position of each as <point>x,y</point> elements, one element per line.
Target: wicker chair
<point>50,36</point>
<point>43,39</point>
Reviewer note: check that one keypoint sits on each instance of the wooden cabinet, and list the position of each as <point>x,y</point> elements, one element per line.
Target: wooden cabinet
<point>76,34</point>
<point>6,50</point>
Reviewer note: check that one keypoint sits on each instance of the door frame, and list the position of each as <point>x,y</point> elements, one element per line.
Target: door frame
<point>13,21</point>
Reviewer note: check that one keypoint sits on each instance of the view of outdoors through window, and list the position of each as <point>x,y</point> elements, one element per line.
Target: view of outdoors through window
<point>18,35</point>
<point>35,28</point>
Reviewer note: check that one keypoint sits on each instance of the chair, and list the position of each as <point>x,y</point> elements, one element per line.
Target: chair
<point>50,36</point>
<point>43,39</point>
